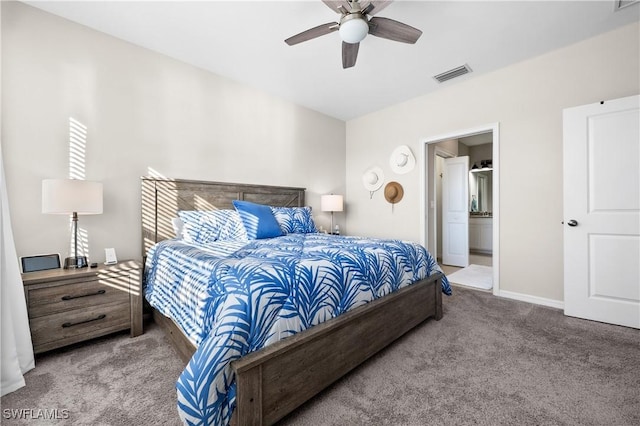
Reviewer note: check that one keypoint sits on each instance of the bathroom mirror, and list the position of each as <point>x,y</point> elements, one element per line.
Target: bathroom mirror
<point>480,189</point>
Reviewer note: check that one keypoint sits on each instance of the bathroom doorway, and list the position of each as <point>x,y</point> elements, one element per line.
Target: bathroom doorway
<point>481,146</point>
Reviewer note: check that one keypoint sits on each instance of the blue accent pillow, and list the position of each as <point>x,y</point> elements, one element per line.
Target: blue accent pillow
<point>258,220</point>
<point>206,226</point>
<point>295,220</point>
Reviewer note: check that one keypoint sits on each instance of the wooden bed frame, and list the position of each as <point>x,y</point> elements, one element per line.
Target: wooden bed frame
<point>275,380</point>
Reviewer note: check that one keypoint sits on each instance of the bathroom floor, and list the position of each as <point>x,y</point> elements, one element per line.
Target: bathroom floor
<point>474,259</point>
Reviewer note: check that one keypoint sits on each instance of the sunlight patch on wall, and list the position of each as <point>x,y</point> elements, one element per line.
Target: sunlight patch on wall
<point>77,170</point>
<point>77,149</point>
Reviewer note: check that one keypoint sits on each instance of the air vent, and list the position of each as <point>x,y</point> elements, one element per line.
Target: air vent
<point>620,4</point>
<point>456,72</point>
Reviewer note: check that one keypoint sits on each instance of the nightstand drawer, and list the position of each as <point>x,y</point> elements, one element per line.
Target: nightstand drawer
<point>79,324</point>
<point>71,305</point>
<point>65,297</point>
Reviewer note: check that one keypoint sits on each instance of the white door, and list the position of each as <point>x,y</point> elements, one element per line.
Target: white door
<point>455,212</point>
<point>602,211</point>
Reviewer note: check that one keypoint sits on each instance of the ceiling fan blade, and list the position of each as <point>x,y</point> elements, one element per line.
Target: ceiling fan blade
<point>375,6</point>
<point>338,6</point>
<point>349,54</point>
<point>318,31</point>
<point>393,30</point>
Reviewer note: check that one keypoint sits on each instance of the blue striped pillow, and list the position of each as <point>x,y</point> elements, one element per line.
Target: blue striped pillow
<point>206,226</point>
<point>295,220</point>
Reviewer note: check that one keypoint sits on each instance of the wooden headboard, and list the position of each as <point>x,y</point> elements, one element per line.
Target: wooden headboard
<point>162,199</point>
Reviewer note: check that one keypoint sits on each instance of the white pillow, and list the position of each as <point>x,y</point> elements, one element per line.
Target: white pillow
<point>178,225</point>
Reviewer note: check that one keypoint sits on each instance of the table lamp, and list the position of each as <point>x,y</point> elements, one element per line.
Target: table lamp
<point>331,203</point>
<point>76,197</point>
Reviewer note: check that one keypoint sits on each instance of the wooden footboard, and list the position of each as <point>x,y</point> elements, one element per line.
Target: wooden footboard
<point>275,380</point>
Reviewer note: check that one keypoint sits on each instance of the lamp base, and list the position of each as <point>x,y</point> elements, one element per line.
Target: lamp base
<point>75,262</point>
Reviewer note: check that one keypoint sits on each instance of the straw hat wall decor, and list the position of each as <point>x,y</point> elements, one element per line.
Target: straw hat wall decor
<point>393,193</point>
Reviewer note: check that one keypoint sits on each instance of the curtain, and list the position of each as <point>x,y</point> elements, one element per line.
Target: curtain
<point>17,350</point>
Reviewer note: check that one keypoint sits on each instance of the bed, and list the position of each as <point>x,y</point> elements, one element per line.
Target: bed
<point>269,382</point>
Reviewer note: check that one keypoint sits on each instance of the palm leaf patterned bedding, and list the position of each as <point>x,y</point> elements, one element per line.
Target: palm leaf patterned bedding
<point>234,297</point>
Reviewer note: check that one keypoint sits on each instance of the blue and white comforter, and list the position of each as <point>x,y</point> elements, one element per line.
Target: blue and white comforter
<point>231,298</point>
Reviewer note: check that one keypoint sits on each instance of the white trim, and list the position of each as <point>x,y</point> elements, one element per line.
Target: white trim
<point>424,169</point>
<point>558,304</point>
<point>496,207</point>
<point>424,173</point>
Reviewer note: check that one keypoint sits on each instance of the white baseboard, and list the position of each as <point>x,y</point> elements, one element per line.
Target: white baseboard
<point>558,304</point>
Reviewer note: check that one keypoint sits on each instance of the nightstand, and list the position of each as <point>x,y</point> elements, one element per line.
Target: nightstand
<point>72,305</point>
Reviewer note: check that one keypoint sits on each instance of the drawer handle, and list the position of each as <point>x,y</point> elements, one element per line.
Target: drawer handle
<point>84,295</point>
<point>71,324</point>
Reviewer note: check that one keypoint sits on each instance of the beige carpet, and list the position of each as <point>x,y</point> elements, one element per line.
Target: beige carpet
<point>489,361</point>
<point>114,380</point>
<point>478,276</point>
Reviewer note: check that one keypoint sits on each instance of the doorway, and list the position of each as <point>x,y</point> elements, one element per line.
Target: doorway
<point>483,182</point>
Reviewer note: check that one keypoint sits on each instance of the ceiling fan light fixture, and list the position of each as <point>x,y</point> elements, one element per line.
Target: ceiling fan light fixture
<point>353,28</point>
<point>354,25</point>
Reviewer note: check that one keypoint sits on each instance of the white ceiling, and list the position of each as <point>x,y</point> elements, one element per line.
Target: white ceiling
<point>244,41</point>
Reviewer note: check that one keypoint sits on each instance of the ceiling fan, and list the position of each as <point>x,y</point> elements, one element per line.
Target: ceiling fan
<point>354,25</point>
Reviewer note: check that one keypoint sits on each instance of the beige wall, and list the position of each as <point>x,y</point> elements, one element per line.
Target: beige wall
<point>146,113</point>
<point>527,100</point>
<point>143,112</point>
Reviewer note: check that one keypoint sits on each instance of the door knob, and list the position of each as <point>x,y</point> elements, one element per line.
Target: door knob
<point>572,222</point>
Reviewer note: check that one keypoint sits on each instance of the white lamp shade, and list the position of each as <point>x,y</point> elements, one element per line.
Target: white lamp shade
<point>64,196</point>
<point>354,30</point>
<point>331,203</point>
